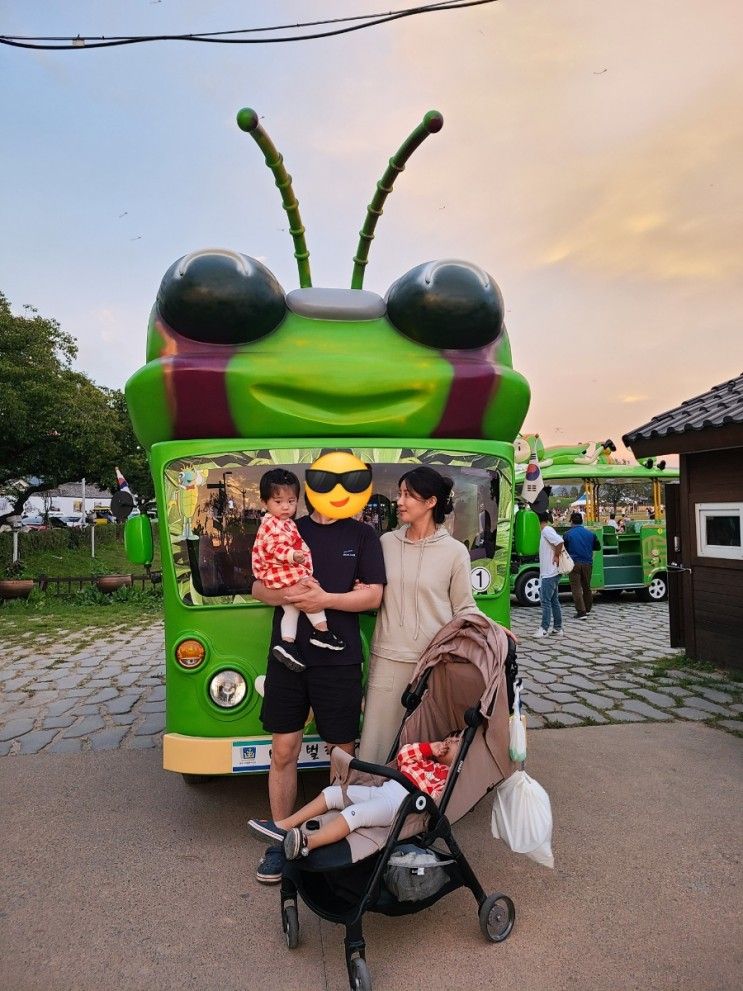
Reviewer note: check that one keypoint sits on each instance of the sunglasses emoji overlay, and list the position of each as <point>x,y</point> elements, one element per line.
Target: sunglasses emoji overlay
<point>338,484</point>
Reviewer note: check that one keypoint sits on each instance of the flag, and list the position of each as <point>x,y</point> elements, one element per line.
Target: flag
<point>122,502</point>
<point>533,483</point>
<point>123,484</point>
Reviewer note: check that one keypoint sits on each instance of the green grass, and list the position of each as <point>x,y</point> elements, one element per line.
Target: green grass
<point>680,662</point>
<point>697,673</point>
<point>42,555</point>
<point>697,669</point>
<point>88,615</point>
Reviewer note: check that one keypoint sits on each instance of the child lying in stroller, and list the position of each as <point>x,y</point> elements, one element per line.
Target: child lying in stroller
<point>425,764</point>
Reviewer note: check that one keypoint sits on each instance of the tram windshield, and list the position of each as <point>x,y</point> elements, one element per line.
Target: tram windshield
<point>214,511</point>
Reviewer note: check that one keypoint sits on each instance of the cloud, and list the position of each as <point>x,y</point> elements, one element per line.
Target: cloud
<point>668,207</point>
<point>547,160</point>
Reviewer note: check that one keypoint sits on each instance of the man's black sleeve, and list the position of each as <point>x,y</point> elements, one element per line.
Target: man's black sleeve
<point>370,569</point>
<point>596,543</point>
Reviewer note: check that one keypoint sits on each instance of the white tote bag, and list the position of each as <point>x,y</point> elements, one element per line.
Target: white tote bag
<point>522,818</point>
<point>566,564</point>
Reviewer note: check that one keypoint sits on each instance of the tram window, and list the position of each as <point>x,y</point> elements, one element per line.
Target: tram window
<point>214,510</point>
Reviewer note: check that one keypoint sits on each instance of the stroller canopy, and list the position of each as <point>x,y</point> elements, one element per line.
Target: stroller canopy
<point>468,658</point>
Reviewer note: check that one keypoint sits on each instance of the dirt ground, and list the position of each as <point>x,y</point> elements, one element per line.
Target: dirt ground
<point>118,876</point>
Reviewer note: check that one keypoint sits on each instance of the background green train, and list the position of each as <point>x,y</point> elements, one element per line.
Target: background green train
<point>633,559</point>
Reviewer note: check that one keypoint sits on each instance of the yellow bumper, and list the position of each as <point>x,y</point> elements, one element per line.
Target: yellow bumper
<point>197,755</point>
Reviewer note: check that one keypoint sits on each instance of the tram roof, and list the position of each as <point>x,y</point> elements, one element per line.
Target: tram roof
<point>606,472</point>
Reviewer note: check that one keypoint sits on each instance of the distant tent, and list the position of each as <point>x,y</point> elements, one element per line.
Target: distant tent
<point>579,503</point>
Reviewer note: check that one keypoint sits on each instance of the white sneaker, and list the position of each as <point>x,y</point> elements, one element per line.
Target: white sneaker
<point>558,633</point>
<point>540,632</point>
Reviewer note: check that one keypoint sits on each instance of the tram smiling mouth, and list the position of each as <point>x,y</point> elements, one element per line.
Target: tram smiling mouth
<point>341,503</point>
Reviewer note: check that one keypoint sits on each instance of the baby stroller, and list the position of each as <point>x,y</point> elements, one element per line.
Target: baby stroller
<point>461,682</point>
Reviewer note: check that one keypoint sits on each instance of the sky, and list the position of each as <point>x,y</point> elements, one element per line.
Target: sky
<point>591,160</point>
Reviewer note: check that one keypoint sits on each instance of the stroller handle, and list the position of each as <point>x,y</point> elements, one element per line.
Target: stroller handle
<point>383,771</point>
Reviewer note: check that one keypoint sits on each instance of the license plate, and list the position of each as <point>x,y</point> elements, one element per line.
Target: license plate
<point>254,756</point>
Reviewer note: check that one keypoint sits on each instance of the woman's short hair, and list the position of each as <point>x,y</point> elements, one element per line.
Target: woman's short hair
<point>427,483</point>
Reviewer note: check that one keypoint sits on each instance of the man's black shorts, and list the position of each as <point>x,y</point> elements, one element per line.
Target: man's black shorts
<point>333,693</point>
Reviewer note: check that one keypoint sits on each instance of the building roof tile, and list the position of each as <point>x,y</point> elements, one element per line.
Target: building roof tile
<point>722,405</point>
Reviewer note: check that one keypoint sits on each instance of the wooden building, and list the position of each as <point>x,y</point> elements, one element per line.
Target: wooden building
<point>704,517</point>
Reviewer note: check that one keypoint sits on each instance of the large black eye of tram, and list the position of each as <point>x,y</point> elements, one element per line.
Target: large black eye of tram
<point>447,305</point>
<point>220,297</point>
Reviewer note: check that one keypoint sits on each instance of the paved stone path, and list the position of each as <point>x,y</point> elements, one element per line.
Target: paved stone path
<point>603,670</point>
<point>73,695</point>
<point>68,694</point>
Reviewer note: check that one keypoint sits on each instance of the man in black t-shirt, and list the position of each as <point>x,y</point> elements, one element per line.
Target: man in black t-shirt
<point>343,552</point>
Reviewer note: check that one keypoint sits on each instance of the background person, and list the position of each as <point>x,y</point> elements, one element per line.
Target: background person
<point>343,550</point>
<point>428,583</point>
<point>581,543</point>
<point>550,546</point>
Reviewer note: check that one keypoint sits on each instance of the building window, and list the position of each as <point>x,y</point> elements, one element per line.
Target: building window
<point>720,529</point>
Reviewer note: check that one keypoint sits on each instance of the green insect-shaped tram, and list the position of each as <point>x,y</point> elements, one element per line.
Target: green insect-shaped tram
<point>242,376</point>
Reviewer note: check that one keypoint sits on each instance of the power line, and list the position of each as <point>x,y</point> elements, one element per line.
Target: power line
<point>80,42</point>
<point>208,34</point>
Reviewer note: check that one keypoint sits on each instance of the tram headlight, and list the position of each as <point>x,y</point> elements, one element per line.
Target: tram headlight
<point>227,689</point>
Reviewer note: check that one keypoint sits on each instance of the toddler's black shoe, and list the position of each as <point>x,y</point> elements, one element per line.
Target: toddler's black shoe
<point>327,639</point>
<point>282,653</point>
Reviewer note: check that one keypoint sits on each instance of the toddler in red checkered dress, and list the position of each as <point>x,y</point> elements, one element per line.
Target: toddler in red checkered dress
<point>425,764</point>
<point>281,558</point>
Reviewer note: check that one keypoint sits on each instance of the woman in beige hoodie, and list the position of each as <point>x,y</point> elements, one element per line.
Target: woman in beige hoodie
<point>428,583</point>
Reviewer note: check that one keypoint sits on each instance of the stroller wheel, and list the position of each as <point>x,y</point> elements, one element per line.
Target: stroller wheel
<point>290,921</point>
<point>497,916</point>
<point>360,976</point>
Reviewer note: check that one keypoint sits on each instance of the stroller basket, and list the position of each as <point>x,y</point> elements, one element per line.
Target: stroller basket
<point>414,874</point>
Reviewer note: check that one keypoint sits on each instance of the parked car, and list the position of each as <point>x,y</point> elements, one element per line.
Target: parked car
<point>74,520</point>
<point>32,521</point>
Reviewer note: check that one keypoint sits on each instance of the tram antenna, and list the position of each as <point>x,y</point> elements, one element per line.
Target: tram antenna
<point>431,124</point>
<point>247,120</point>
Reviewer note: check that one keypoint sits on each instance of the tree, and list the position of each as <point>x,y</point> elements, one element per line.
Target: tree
<point>133,458</point>
<point>626,492</point>
<point>57,424</point>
